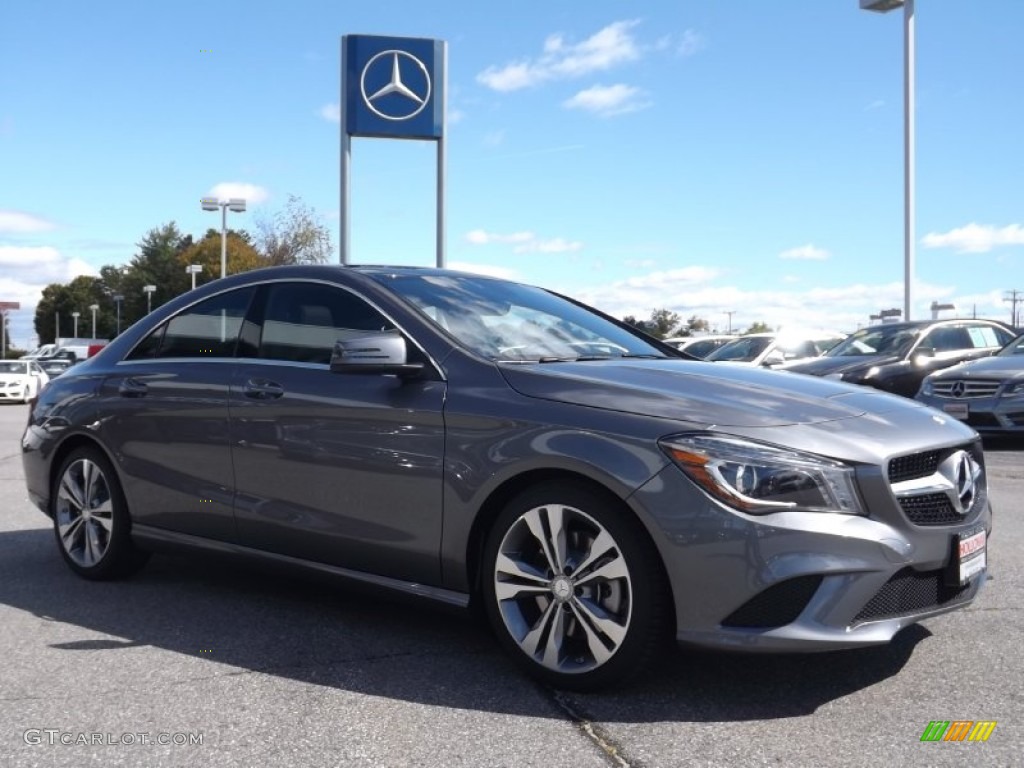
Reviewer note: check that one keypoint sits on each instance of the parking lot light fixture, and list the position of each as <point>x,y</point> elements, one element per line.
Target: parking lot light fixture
<point>884,6</point>
<point>118,300</point>
<point>148,290</point>
<point>235,204</point>
<point>94,308</point>
<point>74,317</point>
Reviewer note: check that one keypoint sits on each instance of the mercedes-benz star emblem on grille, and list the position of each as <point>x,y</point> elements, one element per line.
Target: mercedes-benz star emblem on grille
<point>957,389</point>
<point>965,474</point>
<point>404,102</point>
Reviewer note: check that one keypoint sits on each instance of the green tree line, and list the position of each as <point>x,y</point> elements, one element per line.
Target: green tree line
<point>294,235</point>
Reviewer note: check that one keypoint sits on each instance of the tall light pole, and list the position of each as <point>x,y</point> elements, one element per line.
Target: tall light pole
<point>118,298</point>
<point>884,6</point>
<point>236,204</point>
<point>193,269</point>
<point>94,308</point>
<point>730,313</point>
<point>148,290</point>
<point>75,316</point>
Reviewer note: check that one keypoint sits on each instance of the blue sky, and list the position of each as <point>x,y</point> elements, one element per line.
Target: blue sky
<point>703,157</point>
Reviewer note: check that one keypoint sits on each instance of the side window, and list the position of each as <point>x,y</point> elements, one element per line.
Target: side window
<point>148,347</point>
<point>988,337</point>
<point>302,321</point>
<point>208,329</point>
<point>948,339</point>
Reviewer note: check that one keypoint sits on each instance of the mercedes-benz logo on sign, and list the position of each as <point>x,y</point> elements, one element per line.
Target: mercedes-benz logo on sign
<point>963,472</point>
<point>407,90</point>
<point>957,389</point>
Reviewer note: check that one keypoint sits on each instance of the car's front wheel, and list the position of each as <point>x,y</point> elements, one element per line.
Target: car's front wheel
<point>573,588</point>
<point>90,518</point>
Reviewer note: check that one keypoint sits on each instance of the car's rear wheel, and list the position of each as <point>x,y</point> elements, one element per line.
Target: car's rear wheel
<point>90,518</point>
<point>573,588</point>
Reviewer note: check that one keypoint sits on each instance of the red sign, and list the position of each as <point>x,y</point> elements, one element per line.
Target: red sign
<point>5,305</point>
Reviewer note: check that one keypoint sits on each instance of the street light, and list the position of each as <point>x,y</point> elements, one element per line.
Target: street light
<point>148,290</point>
<point>118,298</point>
<point>93,308</point>
<point>193,269</point>
<point>884,6</point>
<point>236,204</point>
<point>75,316</point>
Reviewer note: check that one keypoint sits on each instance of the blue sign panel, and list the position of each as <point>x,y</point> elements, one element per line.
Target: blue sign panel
<point>393,86</point>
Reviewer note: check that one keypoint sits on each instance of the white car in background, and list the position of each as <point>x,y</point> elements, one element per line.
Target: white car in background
<point>699,346</point>
<point>21,380</point>
<point>771,350</point>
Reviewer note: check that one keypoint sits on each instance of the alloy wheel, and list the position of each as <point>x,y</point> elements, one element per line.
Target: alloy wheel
<point>84,513</point>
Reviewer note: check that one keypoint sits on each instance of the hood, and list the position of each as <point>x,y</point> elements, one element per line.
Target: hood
<point>998,367</point>
<point>821,366</point>
<point>708,394</point>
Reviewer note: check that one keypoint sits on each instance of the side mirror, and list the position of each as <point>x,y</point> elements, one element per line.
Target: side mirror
<point>374,352</point>
<point>775,357</point>
<point>923,355</point>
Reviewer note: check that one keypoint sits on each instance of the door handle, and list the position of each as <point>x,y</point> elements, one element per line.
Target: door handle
<point>132,388</point>
<point>261,389</point>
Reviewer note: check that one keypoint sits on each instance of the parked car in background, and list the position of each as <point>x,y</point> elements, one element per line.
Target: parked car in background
<point>21,380</point>
<point>988,393</point>
<point>478,441</point>
<point>895,357</point>
<point>771,350</point>
<point>55,367</point>
<point>699,346</point>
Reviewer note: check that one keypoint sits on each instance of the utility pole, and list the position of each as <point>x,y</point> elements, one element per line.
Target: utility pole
<point>730,313</point>
<point>1014,297</point>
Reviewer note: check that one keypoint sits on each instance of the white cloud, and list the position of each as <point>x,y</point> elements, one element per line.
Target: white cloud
<point>490,270</point>
<point>607,48</point>
<point>330,112</point>
<point>608,100</point>
<point>641,263</point>
<point>808,252</point>
<point>251,193</point>
<point>20,222</point>
<point>691,43</point>
<point>480,237</point>
<point>975,238</point>
<point>554,245</point>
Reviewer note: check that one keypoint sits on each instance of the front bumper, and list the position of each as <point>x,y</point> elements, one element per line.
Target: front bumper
<point>987,415</point>
<point>801,581</point>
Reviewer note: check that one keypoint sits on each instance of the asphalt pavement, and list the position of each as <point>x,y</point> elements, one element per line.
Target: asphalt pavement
<point>194,662</point>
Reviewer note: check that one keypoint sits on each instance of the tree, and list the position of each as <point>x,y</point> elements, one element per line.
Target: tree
<point>663,322</point>
<point>696,324</point>
<point>294,235</point>
<point>241,256</point>
<point>758,327</point>
<point>642,325</point>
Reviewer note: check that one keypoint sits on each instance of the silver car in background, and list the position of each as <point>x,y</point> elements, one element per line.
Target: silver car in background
<point>477,441</point>
<point>987,394</point>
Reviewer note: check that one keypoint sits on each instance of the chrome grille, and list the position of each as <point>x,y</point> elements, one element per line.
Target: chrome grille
<point>940,487</point>
<point>965,388</point>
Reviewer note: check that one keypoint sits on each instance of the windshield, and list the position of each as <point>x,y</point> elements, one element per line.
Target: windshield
<point>877,340</point>
<point>10,366</point>
<point>1015,347</point>
<point>743,349</point>
<point>510,322</point>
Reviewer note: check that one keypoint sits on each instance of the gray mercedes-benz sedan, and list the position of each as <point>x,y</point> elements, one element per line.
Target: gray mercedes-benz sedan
<point>482,442</point>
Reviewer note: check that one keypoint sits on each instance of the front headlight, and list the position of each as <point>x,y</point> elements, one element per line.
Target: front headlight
<point>836,376</point>
<point>1014,390</point>
<point>757,478</point>
<point>927,388</point>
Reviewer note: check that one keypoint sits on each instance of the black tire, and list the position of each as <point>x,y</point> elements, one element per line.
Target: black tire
<point>95,544</point>
<point>549,623</point>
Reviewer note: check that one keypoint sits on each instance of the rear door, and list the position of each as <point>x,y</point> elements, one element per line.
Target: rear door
<point>166,410</point>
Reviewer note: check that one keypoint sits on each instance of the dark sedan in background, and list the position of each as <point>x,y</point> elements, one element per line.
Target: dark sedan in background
<point>988,394</point>
<point>465,439</point>
<point>895,357</point>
